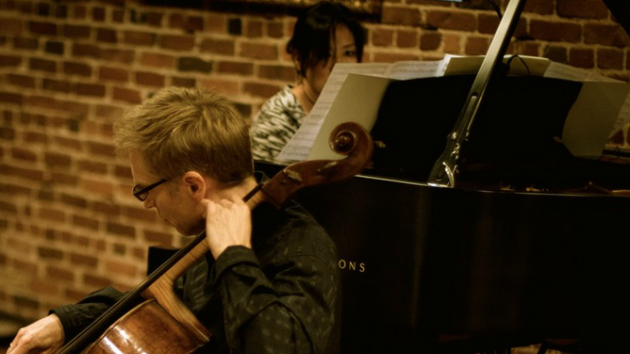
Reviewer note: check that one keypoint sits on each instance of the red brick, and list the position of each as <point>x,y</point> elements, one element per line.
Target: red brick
<point>233,67</point>
<point>43,28</point>
<point>222,87</point>
<point>7,133</point>
<point>610,59</point>
<point>150,79</point>
<point>86,50</point>
<point>183,82</point>
<point>176,20</point>
<point>8,207</point>
<point>96,281</point>
<point>477,45</point>
<point>70,106</point>
<point>74,201</point>
<point>106,208</point>
<point>556,53</point>
<point>121,230</point>
<point>70,143</point>
<point>52,214</point>
<point>603,34</point>
<point>254,29</point>
<point>277,72</point>
<point>118,55</point>
<point>594,9</point>
<point>430,41</point>
<point>275,30</point>
<point>217,23</point>
<point>389,57</point>
<point>540,7</point>
<point>56,85</point>
<point>53,159</point>
<point>123,172</point>
<point>487,23</point>
<point>461,21</point>
<point>260,90</point>
<point>382,37</point>
<point>74,31</point>
<point>23,154</point>
<point>157,60</point>
<point>64,178</point>
<point>80,12</point>
<point>108,111</point>
<point>85,222</point>
<point>154,18</point>
<point>127,95</point>
<point>114,74</point>
<point>158,237</point>
<point>582,58</point>
<point>101,149</point>
<point>555,31</point>
<point>217,46</point>
<point>11,25</point>
<point>98,187</point>
<point>121,268</point>
<point>26,173</point>
<point>11,189</point>
<point>118,16</point>
<point>75,68</point>
<point>193,23</point>
<point>259,51</point>
<point>35,137</point>
<point>406,39</point>
<point>10,60</point>
<point>404,16</point>
<point>43,65</point>
<point>25,43</point>
<point>27,267</point>
<point>141,214</point>
<point>94,90</point>
<point>98,14</point>
<point>139,38</point>
<point>194,64</point>
<point>83,260</point>
<point>21,80</point>
<point>106,35</point>
<point>92,167</point>
<point>59,274</point>
<point>179,43</point>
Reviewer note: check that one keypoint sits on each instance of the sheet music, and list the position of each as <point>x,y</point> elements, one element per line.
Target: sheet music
<point>299,147</point>
<point>567,72</point>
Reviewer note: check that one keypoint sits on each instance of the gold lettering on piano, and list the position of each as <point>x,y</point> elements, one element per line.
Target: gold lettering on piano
<point>351,265</point>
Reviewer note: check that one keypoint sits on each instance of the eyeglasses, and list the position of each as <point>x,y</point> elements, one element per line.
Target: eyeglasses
<point>142,193</point>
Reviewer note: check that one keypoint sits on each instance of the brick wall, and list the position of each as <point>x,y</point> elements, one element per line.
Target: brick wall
<point>68,224</point>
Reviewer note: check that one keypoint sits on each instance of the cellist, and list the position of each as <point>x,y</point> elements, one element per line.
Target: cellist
<point>269,283</point>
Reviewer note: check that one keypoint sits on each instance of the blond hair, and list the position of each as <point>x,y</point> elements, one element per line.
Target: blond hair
<point>186,129</point>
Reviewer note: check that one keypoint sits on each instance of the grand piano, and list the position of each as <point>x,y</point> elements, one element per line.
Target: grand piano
<point>530,247</point>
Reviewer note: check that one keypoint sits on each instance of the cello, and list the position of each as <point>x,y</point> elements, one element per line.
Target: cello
<point>161,323</point>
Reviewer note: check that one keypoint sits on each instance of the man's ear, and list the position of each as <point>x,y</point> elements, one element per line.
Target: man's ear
<point>195,184</point>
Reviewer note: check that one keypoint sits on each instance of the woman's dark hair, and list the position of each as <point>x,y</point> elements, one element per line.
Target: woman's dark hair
<point>310,43</point>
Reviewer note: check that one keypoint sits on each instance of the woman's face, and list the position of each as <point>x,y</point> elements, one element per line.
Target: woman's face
<point>343,50</point>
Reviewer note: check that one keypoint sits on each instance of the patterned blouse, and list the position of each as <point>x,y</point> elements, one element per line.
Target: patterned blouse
<point>274,125</point>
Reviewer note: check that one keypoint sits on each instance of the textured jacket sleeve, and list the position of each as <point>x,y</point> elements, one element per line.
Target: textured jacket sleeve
<point>283,304</point>
<point>76,317</point>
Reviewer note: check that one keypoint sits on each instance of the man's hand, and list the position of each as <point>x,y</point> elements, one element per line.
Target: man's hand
<point>228,223</point>
<point>43,336</point>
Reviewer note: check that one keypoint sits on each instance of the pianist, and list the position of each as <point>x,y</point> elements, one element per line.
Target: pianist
<point>325,34</point>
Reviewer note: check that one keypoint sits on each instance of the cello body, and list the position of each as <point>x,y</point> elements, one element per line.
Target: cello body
<point>167,335</point>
